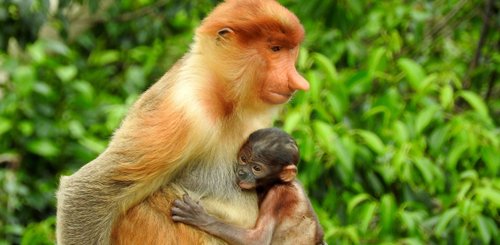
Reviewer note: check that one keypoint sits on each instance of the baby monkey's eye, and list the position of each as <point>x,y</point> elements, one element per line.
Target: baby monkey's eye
<point>243,159</point>
<point>257,168</point>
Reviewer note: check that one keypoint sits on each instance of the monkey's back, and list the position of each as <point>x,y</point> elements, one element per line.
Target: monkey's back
<point>301,225</point>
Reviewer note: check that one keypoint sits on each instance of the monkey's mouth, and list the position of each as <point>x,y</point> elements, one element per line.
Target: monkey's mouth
<point>246,185</point>
<point>279,97</point>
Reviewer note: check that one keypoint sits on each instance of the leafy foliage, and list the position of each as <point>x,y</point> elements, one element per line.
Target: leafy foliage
<point>399,132</point>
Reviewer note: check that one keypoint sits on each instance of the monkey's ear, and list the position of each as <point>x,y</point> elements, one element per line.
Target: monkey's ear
<point>288,173</point>
<point>224,32</point>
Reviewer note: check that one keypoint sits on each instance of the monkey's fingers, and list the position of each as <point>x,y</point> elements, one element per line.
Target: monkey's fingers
<point>194,205</point>
<point>181,205</point>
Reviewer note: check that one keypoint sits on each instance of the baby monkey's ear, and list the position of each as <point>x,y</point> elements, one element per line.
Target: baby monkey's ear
<point>288,173</point>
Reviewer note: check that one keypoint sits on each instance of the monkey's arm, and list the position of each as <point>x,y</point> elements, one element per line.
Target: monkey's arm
<point>190,212</point>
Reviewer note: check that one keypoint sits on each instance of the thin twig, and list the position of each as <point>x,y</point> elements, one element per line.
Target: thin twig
<point>482,39</point>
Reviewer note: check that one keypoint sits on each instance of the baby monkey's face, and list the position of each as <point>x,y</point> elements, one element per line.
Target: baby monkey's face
<point>254,169</point>
<point>269,156</point>
<point>250,170</point>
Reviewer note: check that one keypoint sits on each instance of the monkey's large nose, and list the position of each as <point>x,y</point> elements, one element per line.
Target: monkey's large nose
<point>297,82</point>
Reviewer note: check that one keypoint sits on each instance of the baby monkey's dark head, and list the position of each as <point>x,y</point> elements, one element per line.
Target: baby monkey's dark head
<point>268,156</point>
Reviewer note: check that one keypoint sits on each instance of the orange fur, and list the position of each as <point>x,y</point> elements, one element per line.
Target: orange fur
<point>148,223</point>
<point>184,132</point>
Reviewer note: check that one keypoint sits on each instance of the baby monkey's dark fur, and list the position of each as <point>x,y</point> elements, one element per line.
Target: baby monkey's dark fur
<point>267,162</point>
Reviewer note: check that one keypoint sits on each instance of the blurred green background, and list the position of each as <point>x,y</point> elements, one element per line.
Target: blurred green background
<point>399,132</point>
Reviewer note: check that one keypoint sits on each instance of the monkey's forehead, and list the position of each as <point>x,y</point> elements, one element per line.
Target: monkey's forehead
<point>252,19</point>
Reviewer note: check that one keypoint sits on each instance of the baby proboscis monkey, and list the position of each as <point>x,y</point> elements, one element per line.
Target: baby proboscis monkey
<point>267,162</point>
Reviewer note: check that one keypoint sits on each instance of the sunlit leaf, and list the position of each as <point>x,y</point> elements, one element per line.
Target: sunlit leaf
<point>400,132</point>
<point>43,147</point>
<point>330,141</point>
<point>424,118</point>
<point>461,236</point>
<point>482,227</point>
<point>444,220</point>
<point>292,120</point>
<point>5,125</point>
<point>326,65</point>
<point>476,102</point>
<point>104,57</point>
<point>490,194</point>
<point>438,137</point>
<point>93,144</point>
<point>446,96</point>
<point>464,189</point>
<point>375,59</point>
<point>372,140</point>
<point>66,73</point>
<point>337,107</point>
<point>315,86</point>
<point>424,167</point>
<point>413,71</point>
<point>454,155</point>
<point>387,213</point>
<point>366,216</point>
<point>490,157</point>
<point>356,200</point>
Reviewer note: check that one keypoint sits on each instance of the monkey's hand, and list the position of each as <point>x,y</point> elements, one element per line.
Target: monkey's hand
<point>190,212</point>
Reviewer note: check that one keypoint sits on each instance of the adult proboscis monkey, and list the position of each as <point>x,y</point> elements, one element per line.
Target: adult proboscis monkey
<point>183,134</point>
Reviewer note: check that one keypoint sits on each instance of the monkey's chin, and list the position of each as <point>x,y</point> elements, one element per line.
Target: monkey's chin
<point>246,185</point>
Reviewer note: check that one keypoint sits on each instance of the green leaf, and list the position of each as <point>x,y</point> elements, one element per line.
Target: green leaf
<point>316,86</point>
<point>337,107</point>
<point>374,60</point>
<point>438,138</point>
<point>43,147</point>
<point>490,157</point>
<point>5,125</point>
<point>366,216</point>
<point>446,96</point>
<point>327,66</point>
<point>85,91</point>
<point>372,140</point>
<point>26,128</point>
<point>76,128</point>
<point>40,233</point>
<point>424,118</point>
<point>424,167</point>
<point>356,200</point>
<point>464,189</point>
<point>93,144</point>
<point>414,73</point>
<point>387,214</point>
<point>66,73</point>
<point>400,133</point>
<point>303,58</point>
<point>476,102</point>
<point>292,121</point>
<point>444,220</point>
<point>330,141</point>
<point>24,80</point>
<point>454,155</point>
<point>482,227</point>
<point>104,57</point>
<point>461,236</point>
<point>490,194</point>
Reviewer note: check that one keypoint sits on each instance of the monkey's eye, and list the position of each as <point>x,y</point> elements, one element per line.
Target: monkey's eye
<point>256,168</point>
<point>243,159</point>
<point>275,48</point>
